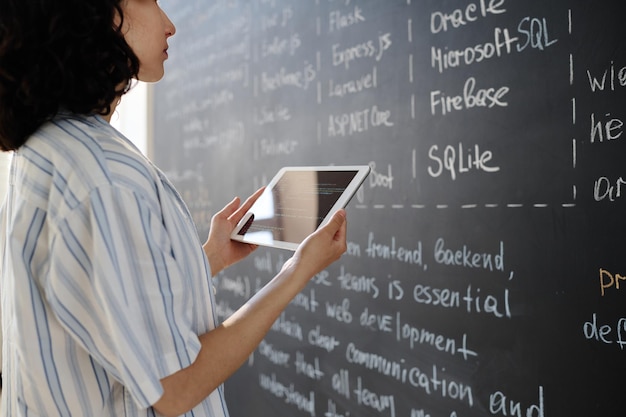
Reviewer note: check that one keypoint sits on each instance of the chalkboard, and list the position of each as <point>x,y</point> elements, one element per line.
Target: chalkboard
<point>486,269</point>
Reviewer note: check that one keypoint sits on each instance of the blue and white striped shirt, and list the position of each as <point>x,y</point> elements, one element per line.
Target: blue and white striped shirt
<point>105,285</point>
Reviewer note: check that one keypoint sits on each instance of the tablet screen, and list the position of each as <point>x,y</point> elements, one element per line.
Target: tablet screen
<point>296,203</point>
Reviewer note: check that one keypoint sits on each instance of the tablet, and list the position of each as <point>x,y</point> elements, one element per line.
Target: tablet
<point>296,202</point>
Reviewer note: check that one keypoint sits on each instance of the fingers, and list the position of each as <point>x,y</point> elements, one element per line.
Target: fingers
<point>229,209</point>
<point>237,214</point>
<point>233,211</point>
<point>252,199</point>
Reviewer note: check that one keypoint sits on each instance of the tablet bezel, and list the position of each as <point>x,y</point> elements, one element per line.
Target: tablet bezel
<point>361,173</point>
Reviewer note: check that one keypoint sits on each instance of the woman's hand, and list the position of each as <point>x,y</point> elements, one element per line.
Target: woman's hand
<point>321,248</point>
<point>220,250</point>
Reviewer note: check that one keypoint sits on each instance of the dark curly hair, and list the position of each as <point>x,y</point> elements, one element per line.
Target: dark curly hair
<point>59,54</point>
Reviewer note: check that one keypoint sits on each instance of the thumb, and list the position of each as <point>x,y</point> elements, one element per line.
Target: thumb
<point>337,224</point>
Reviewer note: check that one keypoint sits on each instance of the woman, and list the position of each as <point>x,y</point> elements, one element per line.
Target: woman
<point>106,295</point>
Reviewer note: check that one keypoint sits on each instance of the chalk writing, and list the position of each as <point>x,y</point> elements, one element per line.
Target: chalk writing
<point>463,102</point>
<point>378,179</point>
<point>467,258</point>
<point>274,355</point>
<point>442,103</point>
<point>383,404</point>
<point>472,300</point>
<point>374,48</point>
<point>338,20</point>
<point>265,115</point>
<point>301,79</point>
<point>287,327</point>
<point>326,342</point>
<point>609,280</point>
<point>278,19</point>
<point>265,147</point>
<point>392,252</point>
<point>444,59</point>
<point>610,79</point>
<point>606,333</point>
<point>441,22</point>
<point>224,310</point>
<point>417,336</point>
<point>376,322</point>
<point>303,402</point>
<point>263,263</point>
<point>339,312</point>
<point>499,404</point>
<point>354,249</point>
<point>239,286</point>
<point>533,34</point>
<point>610,128</point>
<point>322,279</point>
<point>341,383</point>
<point>460,161</point>
<point>331,411</point>
<point>395,291</point>
<point>225,138</point>
<point>398,369</point>
<point>279,46</point>
<point>608,189</point>
<point>307,301</point>
<point>358,284</point>
<point>348,124</point>
<point>311,370</point>
<point>363,83</point>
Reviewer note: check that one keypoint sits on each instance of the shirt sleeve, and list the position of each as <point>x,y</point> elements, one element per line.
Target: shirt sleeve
<point>115,285</point>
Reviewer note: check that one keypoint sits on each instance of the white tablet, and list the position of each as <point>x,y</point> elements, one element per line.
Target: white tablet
<point>296,202</point>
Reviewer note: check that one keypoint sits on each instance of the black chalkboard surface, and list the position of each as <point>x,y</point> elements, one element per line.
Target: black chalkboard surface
<point>486,269</point>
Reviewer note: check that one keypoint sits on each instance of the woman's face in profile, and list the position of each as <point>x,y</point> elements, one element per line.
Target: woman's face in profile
<point>146,30</point>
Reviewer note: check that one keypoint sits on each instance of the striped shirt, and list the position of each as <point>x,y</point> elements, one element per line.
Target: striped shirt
<point>104,283</point>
